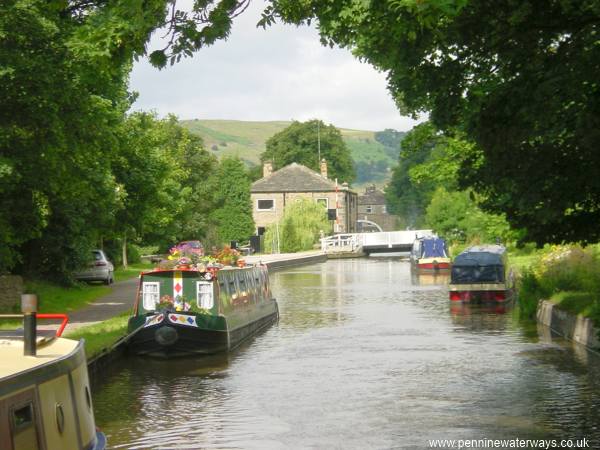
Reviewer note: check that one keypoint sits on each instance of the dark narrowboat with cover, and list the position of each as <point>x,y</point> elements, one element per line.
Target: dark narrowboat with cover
<point>481,273</point>
<point>199,310</point>
<point>430,253</point>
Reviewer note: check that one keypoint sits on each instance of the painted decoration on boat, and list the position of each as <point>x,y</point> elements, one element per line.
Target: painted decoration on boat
<point>183,319</point>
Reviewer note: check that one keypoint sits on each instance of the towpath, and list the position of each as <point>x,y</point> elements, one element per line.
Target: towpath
<point>122,294</point>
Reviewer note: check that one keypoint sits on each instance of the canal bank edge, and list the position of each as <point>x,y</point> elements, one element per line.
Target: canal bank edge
<point>574,327</point>
<point>99,362</point>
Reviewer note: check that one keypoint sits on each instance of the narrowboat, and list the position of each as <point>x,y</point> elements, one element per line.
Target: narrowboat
<point>45,399</point>
<point>429,254</point>
<point>481,273</point>
<point>198,310</point>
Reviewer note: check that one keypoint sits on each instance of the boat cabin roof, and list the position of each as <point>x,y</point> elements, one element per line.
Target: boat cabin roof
<point>160,271</point>
<point>481,255</point>
<point>12,360</point>
<point>433,247</point>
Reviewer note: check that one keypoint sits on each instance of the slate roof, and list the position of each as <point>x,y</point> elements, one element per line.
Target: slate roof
<point>372,196</point>
<point>293,178</point>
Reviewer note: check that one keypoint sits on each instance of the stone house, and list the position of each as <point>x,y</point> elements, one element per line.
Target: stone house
<point>277,189</point>
<point>371,206</point>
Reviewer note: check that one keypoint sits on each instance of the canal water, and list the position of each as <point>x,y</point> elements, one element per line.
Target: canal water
<point>365,355</point>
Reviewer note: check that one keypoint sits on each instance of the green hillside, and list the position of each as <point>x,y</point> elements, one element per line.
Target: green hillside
<point>246,140</point>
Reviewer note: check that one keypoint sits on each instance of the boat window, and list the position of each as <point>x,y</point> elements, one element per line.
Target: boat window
<point>23,427</point>
<point>150,294</point>
<point>204,294</point>
<point>23,416</point>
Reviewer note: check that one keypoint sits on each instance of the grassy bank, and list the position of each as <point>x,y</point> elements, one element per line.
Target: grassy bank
<point>54,298</point>
<point>569,276</point>
<point>101,336</point>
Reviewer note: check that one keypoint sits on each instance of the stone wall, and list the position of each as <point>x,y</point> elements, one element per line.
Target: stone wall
<point>11,288</point>
<point>347,211</point>
<point>576,328</point>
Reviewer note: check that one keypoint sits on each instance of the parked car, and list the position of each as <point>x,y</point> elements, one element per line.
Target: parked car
<point>194,247</point>
<point>99,269</point>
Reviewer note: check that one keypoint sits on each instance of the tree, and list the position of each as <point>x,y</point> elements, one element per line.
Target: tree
<point>299,229</point>
<point>405,196</point>
<point>519,77</point>
<point>64,97</point>
<point>233,215</point>
<point>391,140</point>
<point>454,215</point>
<point>299,143</point>
<point>56,141</point>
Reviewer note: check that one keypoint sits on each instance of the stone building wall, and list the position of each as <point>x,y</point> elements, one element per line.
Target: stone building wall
<point>347,215</point>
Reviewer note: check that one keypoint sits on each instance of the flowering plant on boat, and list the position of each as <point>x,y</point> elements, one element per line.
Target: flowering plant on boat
<point>179,303</point>
<point>228,256</point>
<point>165,302</point>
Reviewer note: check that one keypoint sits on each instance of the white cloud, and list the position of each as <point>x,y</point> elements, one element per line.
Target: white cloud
<point>280,73</point>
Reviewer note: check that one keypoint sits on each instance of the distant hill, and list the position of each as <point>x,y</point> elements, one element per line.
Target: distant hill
<point>372,159</point>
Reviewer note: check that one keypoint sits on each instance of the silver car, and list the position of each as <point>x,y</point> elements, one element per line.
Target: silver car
<point>99,269</point>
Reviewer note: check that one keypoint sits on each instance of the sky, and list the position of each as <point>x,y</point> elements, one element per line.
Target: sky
<point>281,73</point>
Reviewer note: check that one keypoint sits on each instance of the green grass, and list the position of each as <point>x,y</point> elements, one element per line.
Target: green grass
<point>521,262</point>
<point>132,271</point>
<point>101,336</point>
<point>367,149</point>
<point>53,298</point>
<point>574,302</point>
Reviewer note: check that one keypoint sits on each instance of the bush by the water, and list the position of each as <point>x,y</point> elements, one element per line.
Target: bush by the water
<point>564,269</point>
<point>299,229</point>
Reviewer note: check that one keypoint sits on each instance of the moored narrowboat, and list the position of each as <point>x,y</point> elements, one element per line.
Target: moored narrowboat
<point>481,273</point>
<point>195,310</point>
<point>429,253</point>
<point>45,399</point>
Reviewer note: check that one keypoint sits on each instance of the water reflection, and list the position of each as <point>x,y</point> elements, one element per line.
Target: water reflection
<point>436,278</point>
<point>361,358</point>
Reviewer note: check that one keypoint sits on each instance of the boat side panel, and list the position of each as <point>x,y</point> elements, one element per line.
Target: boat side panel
<point>245,296</point>
<point>83,404</point>
<point>28,437</point>
<point>55,395</point>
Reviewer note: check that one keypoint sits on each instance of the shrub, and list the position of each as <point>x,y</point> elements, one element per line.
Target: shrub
<point>569,274</point>
<point>300,227</point>
<point>530,292</point>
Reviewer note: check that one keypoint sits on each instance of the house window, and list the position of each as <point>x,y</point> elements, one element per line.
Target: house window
<point>265,205</point>
<point>369,209</point>
<point>150,295</point>
<point>324,202</point>
<point>204,294</point>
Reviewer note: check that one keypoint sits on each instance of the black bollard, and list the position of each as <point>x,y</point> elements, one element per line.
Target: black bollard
<point>29,310</point>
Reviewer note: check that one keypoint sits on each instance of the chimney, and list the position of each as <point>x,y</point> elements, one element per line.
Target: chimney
<point>267,169</point>
<point>324,168</point>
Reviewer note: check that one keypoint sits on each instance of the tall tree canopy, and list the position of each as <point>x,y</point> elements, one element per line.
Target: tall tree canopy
<point>68,175</point>
<point>519,76</point>
<point>233,214</point>
<point>424,190</point>
<point>299,143</point>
